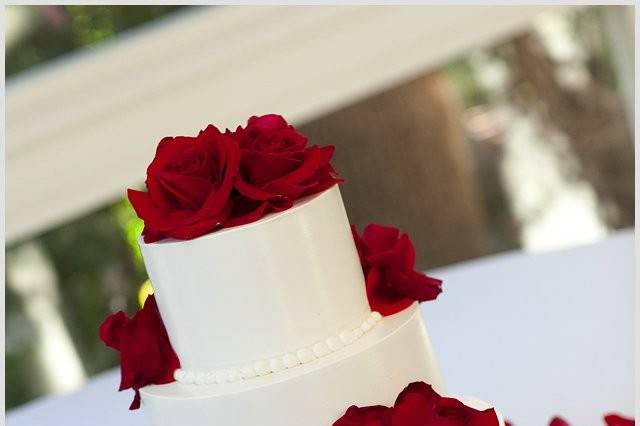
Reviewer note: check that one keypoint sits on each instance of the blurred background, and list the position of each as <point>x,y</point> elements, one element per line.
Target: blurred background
<point>476,130</point>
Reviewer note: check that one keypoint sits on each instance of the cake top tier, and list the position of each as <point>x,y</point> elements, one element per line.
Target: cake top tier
<point>201,184</point>
<point>260,290</point>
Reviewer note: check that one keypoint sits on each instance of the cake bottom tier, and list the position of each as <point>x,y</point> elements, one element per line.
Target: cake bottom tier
<point>372,370</point>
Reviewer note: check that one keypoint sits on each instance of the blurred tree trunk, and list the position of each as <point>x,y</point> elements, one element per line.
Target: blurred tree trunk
<point>407,164</point>
<point>592,117</point>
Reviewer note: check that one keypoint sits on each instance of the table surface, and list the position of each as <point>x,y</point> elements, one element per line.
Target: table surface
<point>535,334</point>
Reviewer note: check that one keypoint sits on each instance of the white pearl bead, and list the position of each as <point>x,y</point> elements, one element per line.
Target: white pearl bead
<point>221,376</point>
<point>305,355</point>
<point>334,343</point>
<point>248,372</point>
<point>261,367</point>
<point>276,365</point>
<point>200,378</point>
<point>290,360</point>
<point>233,376</point>
<point>189,377</point>
<point>347,337</point>
<point>320,349</point>
<point>210,378</point>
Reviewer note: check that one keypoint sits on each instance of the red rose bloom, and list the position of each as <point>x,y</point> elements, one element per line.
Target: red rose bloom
<point>277,167</point>
<point>558,421</point>
<point>189,184</point>
<point>388,259</point>
<point>419,405</point>
<point>146,355</point>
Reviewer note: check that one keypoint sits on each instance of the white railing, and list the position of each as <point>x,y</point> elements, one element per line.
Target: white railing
<point>83,128</point>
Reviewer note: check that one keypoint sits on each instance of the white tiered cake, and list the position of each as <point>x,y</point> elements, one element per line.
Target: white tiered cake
<point>268,309</point>
<point>272,326</point>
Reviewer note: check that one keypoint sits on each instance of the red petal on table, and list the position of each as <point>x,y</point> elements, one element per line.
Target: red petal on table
<point>558,421</point>
<point>614,419</point>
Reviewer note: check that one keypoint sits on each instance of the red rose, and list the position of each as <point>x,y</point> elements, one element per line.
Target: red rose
<point>189,184</point>
<point>277,167</point>
<point>419,405</point>
<point>558,421</point>
<point>146,355</point>
<point>388,259</point>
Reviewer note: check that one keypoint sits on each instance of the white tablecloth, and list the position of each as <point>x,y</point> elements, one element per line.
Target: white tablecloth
<point>536,335</point>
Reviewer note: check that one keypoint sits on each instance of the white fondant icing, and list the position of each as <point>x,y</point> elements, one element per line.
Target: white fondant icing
<point>372,370</point>
<point>270,287</point>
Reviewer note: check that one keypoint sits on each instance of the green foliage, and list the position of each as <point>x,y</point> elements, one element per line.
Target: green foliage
<point>83,26</point>
<point>97,273</point>
<point>461,74</point>
<point>131,226</point>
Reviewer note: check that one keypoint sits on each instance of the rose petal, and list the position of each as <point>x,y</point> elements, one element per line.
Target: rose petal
<point>246,212</point>
<point>252,192</point>
<point>267,122</point>
<point>260,167</point>
<point>146,355</point>
<point>414,285</point>
<point>379,238</point>
<point>112,329</point>
<point>189,191</point>
<point>381,297</point>
<point>313,159</point>
<point>228,154</point>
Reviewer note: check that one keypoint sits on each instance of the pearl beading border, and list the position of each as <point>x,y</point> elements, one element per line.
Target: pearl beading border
<point>280,363</point>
